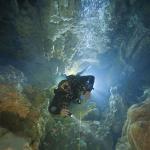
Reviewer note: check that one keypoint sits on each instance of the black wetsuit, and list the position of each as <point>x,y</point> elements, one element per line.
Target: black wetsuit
<point>62,99</point>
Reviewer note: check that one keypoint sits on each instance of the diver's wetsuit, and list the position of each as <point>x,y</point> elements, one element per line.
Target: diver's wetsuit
<point>63,98</point>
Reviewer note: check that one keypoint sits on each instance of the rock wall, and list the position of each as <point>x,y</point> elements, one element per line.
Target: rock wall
<point>33,51</point>
<point>22,116</point>
<point>136,133</point>
<point>34,37</point>
<point>41,39</point>
<point>131,37</point>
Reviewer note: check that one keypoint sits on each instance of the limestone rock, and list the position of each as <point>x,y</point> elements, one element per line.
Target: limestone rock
<point>13,76</point>
<point>17,114</point>
<point>137,127</point>
<point>9,141</point>
<point>24,121</point>
<point>117,111</point>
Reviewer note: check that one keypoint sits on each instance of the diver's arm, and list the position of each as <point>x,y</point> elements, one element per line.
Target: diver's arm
<point>65,112</point>
<point>55,109</point>
<point>62,112</point>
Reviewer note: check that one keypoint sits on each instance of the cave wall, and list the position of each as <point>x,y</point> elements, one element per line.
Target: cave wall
<point>130,39</point>
<point>41,38</point>
<point>34,36</point>
<point>41,34</point>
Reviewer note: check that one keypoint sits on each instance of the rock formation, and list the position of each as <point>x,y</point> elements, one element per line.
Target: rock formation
<point>42,39</point>
<point>136,132</point>
<point>23,121</point>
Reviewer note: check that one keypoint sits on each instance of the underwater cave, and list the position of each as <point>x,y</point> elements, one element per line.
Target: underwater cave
<point>44,41</point>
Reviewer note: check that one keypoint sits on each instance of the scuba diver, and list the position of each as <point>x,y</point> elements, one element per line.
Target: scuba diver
<point>70,90</point>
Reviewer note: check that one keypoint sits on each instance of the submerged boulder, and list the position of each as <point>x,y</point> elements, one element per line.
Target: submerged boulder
<point>21,115</point>
<point>10,141</point>
<point>136,134</point>
<point>18,116</point>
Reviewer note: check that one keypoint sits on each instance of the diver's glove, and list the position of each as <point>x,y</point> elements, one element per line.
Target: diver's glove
<point>65,112</point>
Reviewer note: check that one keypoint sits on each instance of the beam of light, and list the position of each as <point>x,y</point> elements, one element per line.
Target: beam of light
<point>100,93</point>
<point>60,78</point>
<point>73,70</point>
